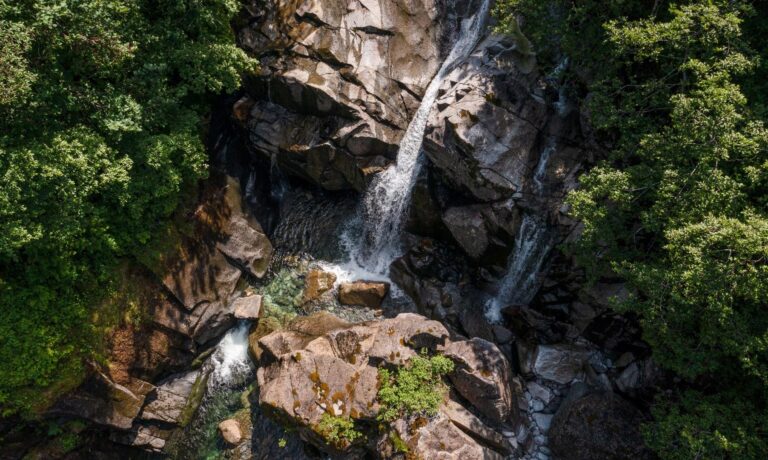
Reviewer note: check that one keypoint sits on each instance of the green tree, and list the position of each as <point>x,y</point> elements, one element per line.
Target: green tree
<point>101,130</point>
<point>678,207</point>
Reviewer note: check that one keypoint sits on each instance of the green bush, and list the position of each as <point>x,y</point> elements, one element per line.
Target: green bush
<point>414,389</point>
<point>338,431</point>
<point>101,108</point>
<point>679,206</point>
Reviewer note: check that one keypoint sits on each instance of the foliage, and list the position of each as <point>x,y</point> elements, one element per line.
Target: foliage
<point>101,104</point>
<point>678,207</point>
<point>416,388</point>
<point>338,431</point>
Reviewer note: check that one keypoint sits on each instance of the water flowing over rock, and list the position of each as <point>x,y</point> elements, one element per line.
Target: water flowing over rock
<point>340,82</point>
<point>389,194</point>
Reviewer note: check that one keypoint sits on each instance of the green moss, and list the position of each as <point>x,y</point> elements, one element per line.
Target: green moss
<point>195,398</point>
<point>397,442</point>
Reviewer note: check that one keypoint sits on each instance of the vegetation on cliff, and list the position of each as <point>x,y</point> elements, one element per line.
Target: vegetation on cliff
<point>677,207</point>
<point>101,110</point>
<point>414,389</point>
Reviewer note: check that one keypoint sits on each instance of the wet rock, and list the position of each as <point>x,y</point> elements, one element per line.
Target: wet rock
<point>597,426</point>
<point>482,376</point>
<point>248,307</point>
<point>467,226</point>
<point>559,363</point>
<point>368,294</point>
<point>317,283</point>
<point>230,431</point>
<point>430,274</point>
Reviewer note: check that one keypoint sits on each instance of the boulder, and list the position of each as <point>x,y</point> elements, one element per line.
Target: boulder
<point>367,294</point>
<point>230,431</point>
<point>472,425</point>
<point>104,402</point>
<point>248,307</point>
<point>597,426</point>
<point>482,376</point>
<point>169,399</point>
<point>559,363</point>
<point>317,283</point>
<point>336,373</point>
<point>146,437</point>
<point>439,438</point>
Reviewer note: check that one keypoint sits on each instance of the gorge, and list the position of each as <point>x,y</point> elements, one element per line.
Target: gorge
<point>379,262</point>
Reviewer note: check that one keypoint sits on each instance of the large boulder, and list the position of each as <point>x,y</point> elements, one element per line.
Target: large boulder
<point>597,426</point>
<point>104,402</point>
<point>304,379</point>
<point>170,398</point>
<point>363,293</point>
<point>559,363</point>
<point>482,375</point>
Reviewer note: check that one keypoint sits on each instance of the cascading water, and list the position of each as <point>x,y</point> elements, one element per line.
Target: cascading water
<point>229,369</point>
<point>532,244</point>
<point>388,196</point>
<point>230,361</point>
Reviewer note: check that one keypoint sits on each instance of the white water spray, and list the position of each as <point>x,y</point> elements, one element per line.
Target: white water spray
<point>387,198</point>
<point>230,360</point>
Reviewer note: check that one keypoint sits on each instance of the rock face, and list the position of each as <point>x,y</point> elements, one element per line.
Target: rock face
<point>205,270</point>
<point>497,138</point>
<point>170,398</point>
<point>483,377</point>
<point>332,106</point>
<point>597,426</point>
<point>364,293</point>
<point>336,372</point>
<point>105,402</point>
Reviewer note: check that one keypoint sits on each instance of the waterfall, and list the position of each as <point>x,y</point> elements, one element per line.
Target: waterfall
<point>230,361</point>
<point>518,286</point>
<point>532,244</point>
<point>229,370</point>
<point>388,196</point>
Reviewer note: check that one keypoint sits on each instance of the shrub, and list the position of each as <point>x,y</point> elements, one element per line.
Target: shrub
<point>338,431</point>
<point>416,388</point>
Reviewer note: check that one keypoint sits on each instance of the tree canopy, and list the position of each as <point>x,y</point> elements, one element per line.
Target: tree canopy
<point>101,126</point>
<point>677,206</point>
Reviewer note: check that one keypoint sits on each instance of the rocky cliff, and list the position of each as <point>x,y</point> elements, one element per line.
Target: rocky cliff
<point>542,367</point>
